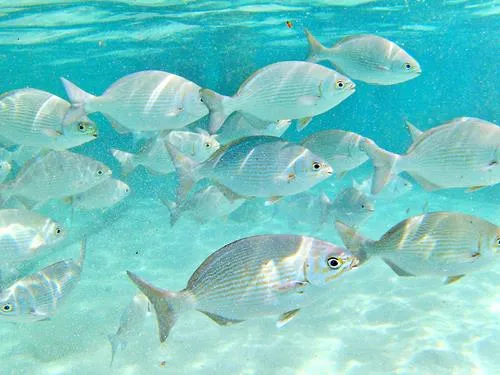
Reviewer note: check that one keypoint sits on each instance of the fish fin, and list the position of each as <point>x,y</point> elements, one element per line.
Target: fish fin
<point>117,344</point>
<point>472,189</point>
<point>354,241</point>
<point>166,304</point>
<point>255,122</point>
<point>302,123</point>
<point>316,49</point>
<point>415,133</point>
<point>220,320</point>
<point>119,128</point>
<point>78,99</point>
<point>175,212</point>
<point>452,279</point>
<point>28,203</point>
<point>398,270</point>
<point>52,133</point>
<point>428,186</point>
<point>126,160</point>
<point>292,286</point>
<point>273,200</point>
<point>219,107</point>
<point>384,163</point>
<point>83,252</point>
<point>228,193</point>
<point>286,317</point>
<point>187,171</point>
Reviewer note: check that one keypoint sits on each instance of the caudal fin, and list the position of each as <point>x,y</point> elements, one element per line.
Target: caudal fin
<point>175,212</point>
<point>78,99</point>
<point>354,241</point>
<point>187,171</point>
<point>126,160</point>
<point>220,108</point>
<point>316,49</point>
<point>384,163</point>
<point>117,344</point>
<point>167,304</point>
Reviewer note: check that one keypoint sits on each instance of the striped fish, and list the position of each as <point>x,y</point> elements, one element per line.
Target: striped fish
<point>339,148</point>
<point>24,234</point>
<point>257,166</point>
<point>34,118</point>
<point>284,90</point>
<point>148,100</point>
<point>447,244</point>
<point>253,277</point>
<point>38,296</point>
<point>462,153</point>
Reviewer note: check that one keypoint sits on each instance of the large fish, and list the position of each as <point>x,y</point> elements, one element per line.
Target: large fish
<point>34,118</point>
<point>284,90</point>
<point>38,296</point>
<point>338,147</point>
<point>447,244</point>
<point>462,153</point>
<point>257,166</point>
<point>367,58</point>
<point>352,207</point>
<point>253,277</point>
<point>148,100</point>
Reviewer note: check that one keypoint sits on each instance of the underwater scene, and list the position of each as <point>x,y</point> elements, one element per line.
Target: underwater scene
<point>250,187</point>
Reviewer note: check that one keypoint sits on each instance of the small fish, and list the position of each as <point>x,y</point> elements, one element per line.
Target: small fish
<point>207,204</point>
<point>462,153</point>
<point>352,207</point>
<point>284,90</point>
<point>155,158</point>
<point>257,166</point>
<point>289,24</point>
<point>253,277</point>
<point>306,209</point>
<point>131,323</point>
<point>339,148</point>
<point>56,175</point>
<point>102,196</point>
<point>26,234</point>
<point>396,188</point>
<point>449,244</point>
<point>38,296</point>
<point>236,126</point>
<point>34,118</point>
<point>148,100</point>
<point>367,58</point>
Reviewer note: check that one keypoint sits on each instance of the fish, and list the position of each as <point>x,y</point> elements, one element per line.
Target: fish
<point>38,296</point>
<point>283,90</point>
<point>155,158</point>
<point>131,323</point>
<point>56,175</point>
<point>256,166</point>
<point>351,207</point>
<point>396,188</point>
<point>102,196</point>
<point>462,153</point>
<point>449,244</point>
<point>339,148</point>
<point>25,235</point>
<point>5,164</point>
<point>307,208</point>
<point>142,101</point>
<point>253,277</point>
<point>205,205</point>
<point>366,57</point>
<point>34,118</point>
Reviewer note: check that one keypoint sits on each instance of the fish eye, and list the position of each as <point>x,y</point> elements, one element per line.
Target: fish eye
<point>316,165</point>
<point>362,206</point>
<point>58,231</point>
<point>7,307</point>
<point>339,84</point>
<point>201,100</point>
<point>208,145</point>
<point>334,262</point>
<point>100,172</point>
<point>497,241</point>
<point>82,126</point>
<point>407,66</point>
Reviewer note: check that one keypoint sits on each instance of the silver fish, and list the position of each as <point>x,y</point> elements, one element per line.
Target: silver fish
<point>367,58</point>
<point>257,166</point>
<point>34,118</point>
<point>396,188</point>
<point>284,90</point>
<point>253,277</point>
<point>464,152</point>
<point>102,196</point>
<point>448,244</point>
<point>148,100</point>
<point>339,148</point>
<point>352,207</point>
<point>38,296</point>
<point>55,175</point>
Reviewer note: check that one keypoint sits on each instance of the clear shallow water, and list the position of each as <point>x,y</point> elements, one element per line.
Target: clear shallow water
<point>374,322</point>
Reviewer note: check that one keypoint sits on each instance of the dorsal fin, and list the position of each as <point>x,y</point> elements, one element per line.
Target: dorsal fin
<point>415,133</point>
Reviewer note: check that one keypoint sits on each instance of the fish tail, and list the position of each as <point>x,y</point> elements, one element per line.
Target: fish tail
<point>167,304</point>
<point>175,211</point>
<point>79,100</point>
<point>354,241</point>
<point>117,344</point>
<point>220,108</point>
<point>384,163</point>
<point>126,160</point>
<point>316,49</point>
<point>187,171</point>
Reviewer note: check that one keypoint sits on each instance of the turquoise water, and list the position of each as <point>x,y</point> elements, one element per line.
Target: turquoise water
<point>374,322</point>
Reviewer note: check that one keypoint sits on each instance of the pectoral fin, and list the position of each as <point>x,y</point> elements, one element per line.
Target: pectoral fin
<point>303,122</point>
<point>52,133</point>
<point>398,270</point>
<point>220,320</point>
<point>452,279</point>
<point>428,186</point>
<point>273,200</point>
<point>286,317</point>
<point>474,188</point>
